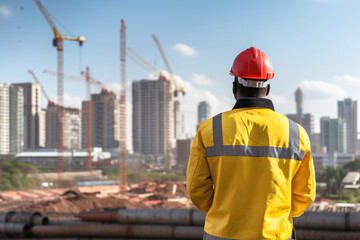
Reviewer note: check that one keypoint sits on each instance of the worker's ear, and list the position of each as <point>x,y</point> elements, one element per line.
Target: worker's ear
<point>268,89</point>
<point>234,89</point>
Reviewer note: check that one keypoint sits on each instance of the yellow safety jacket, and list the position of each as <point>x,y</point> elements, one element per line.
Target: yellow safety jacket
<point>250,171</point>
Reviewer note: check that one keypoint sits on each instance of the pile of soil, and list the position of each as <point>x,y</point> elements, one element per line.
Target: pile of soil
<point>147,194</point>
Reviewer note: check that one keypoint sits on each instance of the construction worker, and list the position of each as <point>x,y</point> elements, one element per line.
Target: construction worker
<point>250,169</point>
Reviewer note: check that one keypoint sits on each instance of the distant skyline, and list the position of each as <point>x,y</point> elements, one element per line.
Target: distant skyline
<point>313,44</point>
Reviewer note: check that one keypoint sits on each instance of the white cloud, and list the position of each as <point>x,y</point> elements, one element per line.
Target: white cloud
<point>202,79</point>
<point>5,11</point>
<point>72,101</point>
<point>321,90</point>
<point>116,87</point>
<point>278,99</point>
<point>283,103</point>
<point>347,79</point>
<point>184,50</point>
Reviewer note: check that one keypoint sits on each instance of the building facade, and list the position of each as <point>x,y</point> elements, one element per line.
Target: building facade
<point>183,147</point>
<point>333,134</point>
<point>11,119</point>
<point>204,110</point>
<point>347,110</point>
<point>71,127</point>
<point>105,120</point>
<point>178,121</point>
<point>151,107</point>
<point>307,122</point>
<point>32,114</point>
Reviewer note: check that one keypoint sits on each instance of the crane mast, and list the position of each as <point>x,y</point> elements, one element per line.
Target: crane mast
<point>88,120</point>
<point>58,42</point>
<point>37,81</point>
<point>168,104</point>
<point>122,112</point>
<point>89,80</point>
<point>173,81</point>
<point>82,79</point>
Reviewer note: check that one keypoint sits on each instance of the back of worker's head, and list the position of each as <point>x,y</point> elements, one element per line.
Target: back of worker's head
<point>251,69</point>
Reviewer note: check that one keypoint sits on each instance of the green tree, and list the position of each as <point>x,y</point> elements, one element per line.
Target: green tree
<point>13,175</point>
<point>332,177</point>
<point>353,165</point>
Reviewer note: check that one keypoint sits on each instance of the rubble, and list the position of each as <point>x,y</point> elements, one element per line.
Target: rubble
<point>64,203</point>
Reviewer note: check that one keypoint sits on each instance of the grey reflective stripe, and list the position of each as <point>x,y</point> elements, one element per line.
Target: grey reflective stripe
<point>212,237</point>
<point>217,131</point>
<point>291,152</point>
<point>294,138</point>
<point>254,151</point>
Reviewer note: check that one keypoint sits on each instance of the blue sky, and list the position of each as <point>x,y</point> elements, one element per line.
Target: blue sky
<point>313,44</point>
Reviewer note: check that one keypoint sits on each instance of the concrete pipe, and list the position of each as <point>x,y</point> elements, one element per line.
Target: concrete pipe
<point>162,216</point>
<point>75,238</point>
<point>329,220</point>
<point>116,230</point>
<point>303,234</point>
<point>107,216</point>
<point>30,218</point>
<point>14,228</point>
<point>4,216</point>
<point>70,222</point>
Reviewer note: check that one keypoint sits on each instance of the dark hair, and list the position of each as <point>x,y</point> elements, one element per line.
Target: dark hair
<point>249,91</point>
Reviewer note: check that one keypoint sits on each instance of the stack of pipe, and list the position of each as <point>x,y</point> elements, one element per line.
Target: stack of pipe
<point>183,224</point>
<point>19,223</point>
<point>328,225</point>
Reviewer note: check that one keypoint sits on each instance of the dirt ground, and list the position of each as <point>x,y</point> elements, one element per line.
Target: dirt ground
<point>147,194</point>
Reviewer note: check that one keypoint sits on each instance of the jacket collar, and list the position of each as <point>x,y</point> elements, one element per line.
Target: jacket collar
<point>247,102</point>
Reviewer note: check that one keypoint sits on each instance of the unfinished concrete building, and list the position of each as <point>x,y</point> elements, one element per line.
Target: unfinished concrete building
<point>71,127</point>
<point>149,116</point>
<point>104,120</point>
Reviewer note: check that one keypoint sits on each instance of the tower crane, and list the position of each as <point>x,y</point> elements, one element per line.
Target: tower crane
<point>168,102</point>
<point>173,81</point>
<point>89,80</point>
<point>123,138</point>
<point>58,42</point>
<point>42,88</point>
<point>145,64</point>
<point>78,78</point>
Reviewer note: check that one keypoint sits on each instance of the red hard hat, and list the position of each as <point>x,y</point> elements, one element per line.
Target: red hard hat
<point>252,64</point>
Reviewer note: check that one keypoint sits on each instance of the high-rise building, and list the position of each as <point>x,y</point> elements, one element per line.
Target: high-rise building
<point>12,119</point>
<point>71,127</point>
<point>105,120</point>
<point>204,110</point>
<point>299,99</point>
<point>306,120</point>
<point>42,126</point>
<point>183,147</point>
<point>178,120</point>
<point>347,110</point>
<point>333,134</point>
<point>150,109</point>
<point>315,144</point>
<point>32,112</point>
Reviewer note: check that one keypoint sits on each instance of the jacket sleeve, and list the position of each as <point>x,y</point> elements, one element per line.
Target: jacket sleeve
<point>199,182</point>
<point>303,186</point>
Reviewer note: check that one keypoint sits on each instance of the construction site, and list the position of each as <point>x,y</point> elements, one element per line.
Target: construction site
<point>90,186</point>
